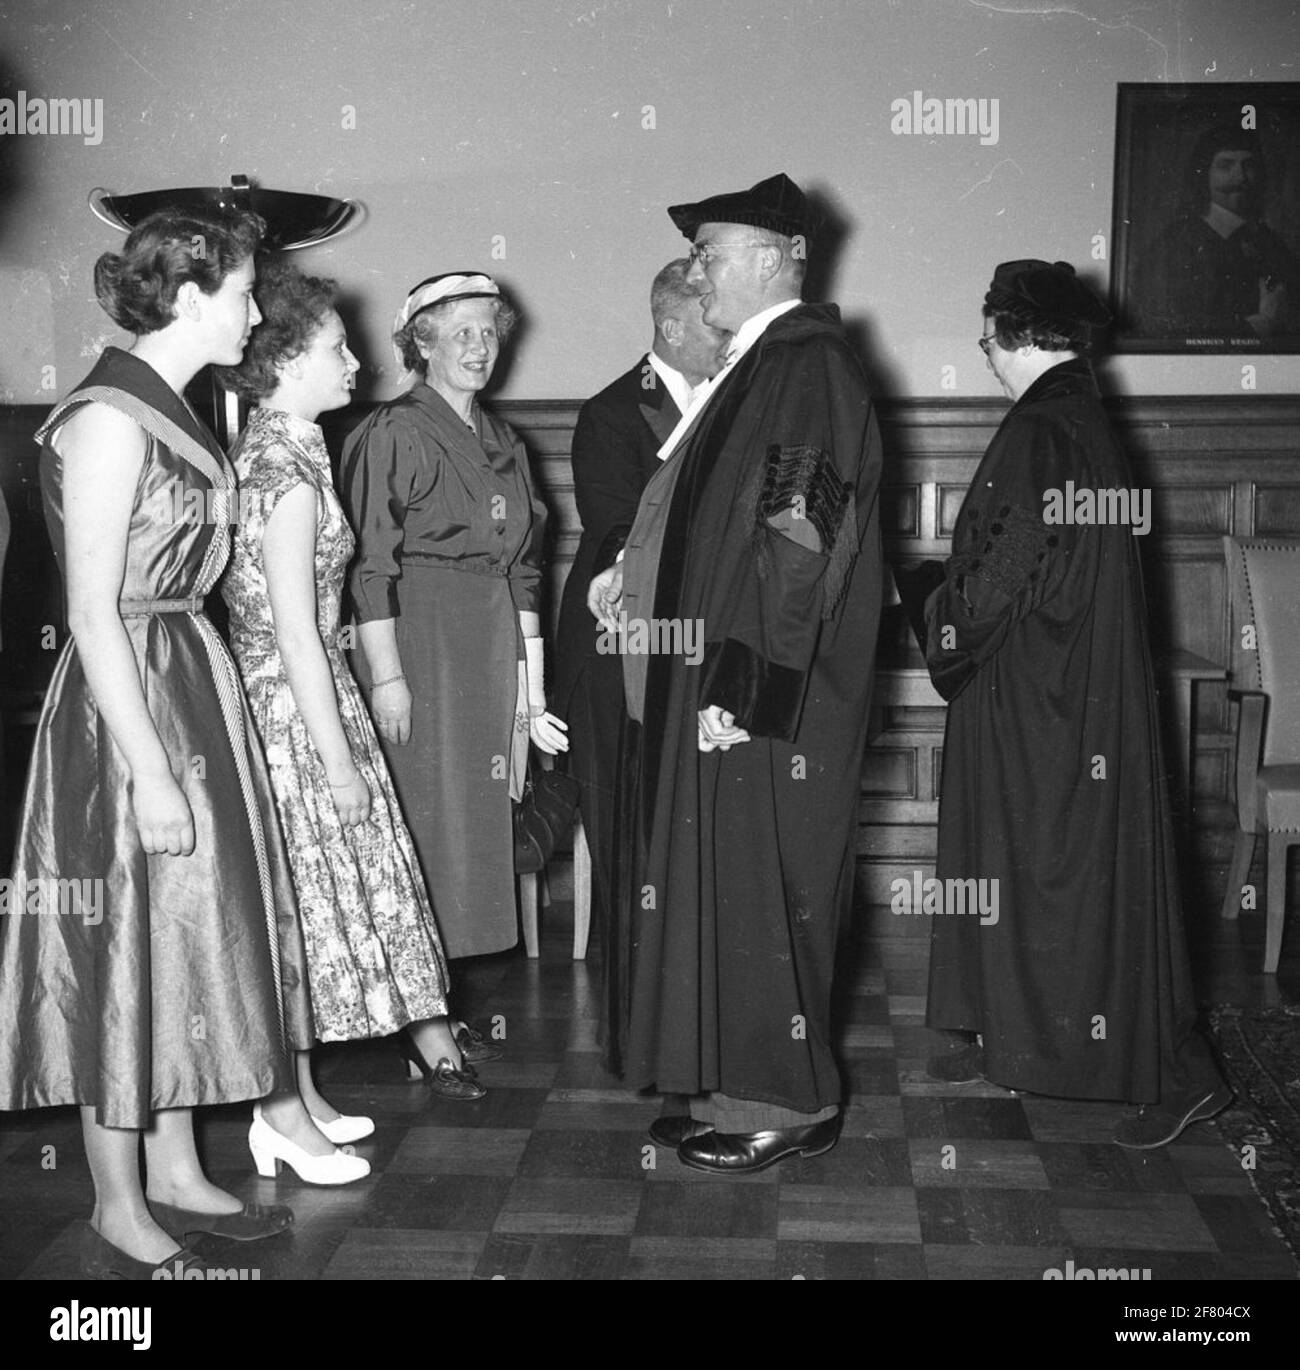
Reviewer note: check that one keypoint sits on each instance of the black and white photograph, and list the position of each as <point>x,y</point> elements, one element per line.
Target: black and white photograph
<point>1207,217</point>
<point>647,640</point>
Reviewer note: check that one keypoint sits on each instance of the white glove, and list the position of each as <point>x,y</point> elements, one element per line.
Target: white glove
<point>718,731</point>
<point>548,733</point>
<point>535,655</point>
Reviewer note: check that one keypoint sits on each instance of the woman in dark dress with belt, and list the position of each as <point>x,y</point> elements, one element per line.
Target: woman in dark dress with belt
<point>446,588</point>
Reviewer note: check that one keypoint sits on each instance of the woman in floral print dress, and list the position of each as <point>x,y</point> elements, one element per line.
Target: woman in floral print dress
<point>374,955</point>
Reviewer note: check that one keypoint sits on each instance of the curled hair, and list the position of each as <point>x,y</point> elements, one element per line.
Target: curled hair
<point>1222,137</point>
<point>137,287</point>
<point>293,306</point>
<point>423,328</point>
<point>1015,328</point>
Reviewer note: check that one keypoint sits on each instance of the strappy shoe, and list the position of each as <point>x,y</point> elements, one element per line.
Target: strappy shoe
<point>475,1048</point>
<point>442,1079</point>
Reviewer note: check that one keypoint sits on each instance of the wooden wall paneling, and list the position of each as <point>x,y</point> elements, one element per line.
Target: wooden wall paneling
<point>1215,465</point>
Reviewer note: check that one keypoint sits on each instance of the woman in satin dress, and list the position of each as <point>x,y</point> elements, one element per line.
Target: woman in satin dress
<point>166,971</point>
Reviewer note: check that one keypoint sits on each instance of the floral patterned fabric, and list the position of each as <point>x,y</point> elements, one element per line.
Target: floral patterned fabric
<point>375,959</point>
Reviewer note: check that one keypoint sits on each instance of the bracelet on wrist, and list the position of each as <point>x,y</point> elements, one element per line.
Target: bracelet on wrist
<point>388,680</point>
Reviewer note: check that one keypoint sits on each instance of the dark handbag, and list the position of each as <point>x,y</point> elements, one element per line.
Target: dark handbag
<point>542,817</point>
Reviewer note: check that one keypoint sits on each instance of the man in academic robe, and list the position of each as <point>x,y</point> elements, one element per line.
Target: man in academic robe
<point>1054,799</point>
<point>738,853</point>
<point>615,452</point>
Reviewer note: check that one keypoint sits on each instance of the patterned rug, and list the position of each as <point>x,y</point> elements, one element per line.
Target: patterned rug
<point>1261,1050</point>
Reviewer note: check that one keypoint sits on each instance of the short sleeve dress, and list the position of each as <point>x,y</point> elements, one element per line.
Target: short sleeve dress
<point>374,957</point>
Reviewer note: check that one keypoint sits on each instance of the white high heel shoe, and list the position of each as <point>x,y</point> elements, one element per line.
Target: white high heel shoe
<point>345,1128</point>
<point>270,1149</point>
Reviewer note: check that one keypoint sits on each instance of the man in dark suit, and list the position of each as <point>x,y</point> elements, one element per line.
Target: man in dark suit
<point>615,452</point>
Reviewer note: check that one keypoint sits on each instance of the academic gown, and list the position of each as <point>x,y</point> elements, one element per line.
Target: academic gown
<point>615,452</point>
<point>1053,784</point>
<point>739,864</point>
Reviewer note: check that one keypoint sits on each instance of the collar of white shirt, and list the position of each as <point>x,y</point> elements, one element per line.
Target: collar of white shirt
<point>746,336</point>
<point>1223,221</point>
<point>677,385</point>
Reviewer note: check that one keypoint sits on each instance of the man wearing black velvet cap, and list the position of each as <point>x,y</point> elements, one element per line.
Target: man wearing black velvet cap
<point>738,853</point>
<point>1054,800</point>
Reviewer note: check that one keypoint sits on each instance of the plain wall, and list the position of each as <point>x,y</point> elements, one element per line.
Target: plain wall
<point>523,127</point>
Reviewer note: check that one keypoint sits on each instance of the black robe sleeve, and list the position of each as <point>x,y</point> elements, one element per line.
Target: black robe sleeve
<point>1007,561</point>
<point>810,447</point>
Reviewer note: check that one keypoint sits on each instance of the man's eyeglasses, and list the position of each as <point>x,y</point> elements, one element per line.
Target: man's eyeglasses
<point>704,253</point>
<point>986,342</point>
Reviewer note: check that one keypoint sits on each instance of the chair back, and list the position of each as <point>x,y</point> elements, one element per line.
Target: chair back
<point>1264,590</point>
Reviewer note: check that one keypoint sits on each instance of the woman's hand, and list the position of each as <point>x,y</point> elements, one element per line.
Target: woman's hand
<point>390,705</point>
<point>162,815</point>
<point>351,799</point>
<point>548,733</point>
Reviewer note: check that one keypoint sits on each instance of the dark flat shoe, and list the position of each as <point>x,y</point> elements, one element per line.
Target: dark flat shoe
<point>674,1129</point>
<point>743,1153</point>
<point>253,1222</point>
<point>475,1048</point>
<point>962,1067</point>
<point>99,1259</point>
<point>1159,1124</point>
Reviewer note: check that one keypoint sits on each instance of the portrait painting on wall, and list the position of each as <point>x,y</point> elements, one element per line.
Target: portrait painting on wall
<point>1206,230</point>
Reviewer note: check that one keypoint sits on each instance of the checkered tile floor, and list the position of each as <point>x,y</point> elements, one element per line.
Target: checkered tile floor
<point>551,1176</point>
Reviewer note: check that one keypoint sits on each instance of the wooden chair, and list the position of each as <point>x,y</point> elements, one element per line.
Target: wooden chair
<point>1264,590</point>
<point>535,890</point>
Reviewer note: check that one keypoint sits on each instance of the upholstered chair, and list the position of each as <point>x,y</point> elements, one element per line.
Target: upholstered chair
<point>1264,590</point>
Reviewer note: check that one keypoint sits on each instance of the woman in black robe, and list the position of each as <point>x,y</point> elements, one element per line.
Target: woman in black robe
<point>1054,794</point>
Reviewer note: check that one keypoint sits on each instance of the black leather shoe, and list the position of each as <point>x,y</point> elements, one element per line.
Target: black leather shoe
<point>449,1083</point>
<point>475,1048</point>
<point>101,1260</point>
<point>962,1067</point>
<point>253,1222</point>
<point>674,1129</point>
<point>741,1153</point>
<point>444,1079</point>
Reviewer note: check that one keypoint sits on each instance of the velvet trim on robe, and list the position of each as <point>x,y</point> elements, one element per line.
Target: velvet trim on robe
<point>737,867</point>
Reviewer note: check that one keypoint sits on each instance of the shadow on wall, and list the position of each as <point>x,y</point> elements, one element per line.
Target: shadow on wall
<point>833,226</point>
